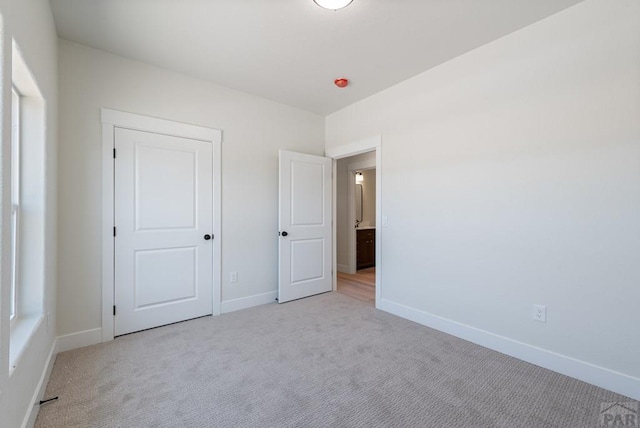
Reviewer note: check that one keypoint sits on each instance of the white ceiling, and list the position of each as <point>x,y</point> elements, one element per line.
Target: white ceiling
<point>291,50</point>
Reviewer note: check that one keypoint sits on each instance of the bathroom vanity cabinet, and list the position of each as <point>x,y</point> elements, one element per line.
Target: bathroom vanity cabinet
<point>365,248</point>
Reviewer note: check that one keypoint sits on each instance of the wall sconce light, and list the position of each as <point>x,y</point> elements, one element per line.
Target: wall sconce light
<point>333,4</point>
<point>359,178</point>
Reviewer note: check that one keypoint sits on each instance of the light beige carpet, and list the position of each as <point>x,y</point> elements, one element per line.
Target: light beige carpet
<point>324,361</point>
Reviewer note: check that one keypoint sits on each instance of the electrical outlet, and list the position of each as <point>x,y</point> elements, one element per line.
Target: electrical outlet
<point>539,313</point>
<point>233,277</point>
<point>385,221</point>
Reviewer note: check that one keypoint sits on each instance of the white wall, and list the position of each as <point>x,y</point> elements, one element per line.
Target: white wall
<point>511,176</point>
<point>369,197</point>
<point>30,23</point>
<point>253,131</point>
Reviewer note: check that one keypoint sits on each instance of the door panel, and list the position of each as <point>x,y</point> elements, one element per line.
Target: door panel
<point>171,194</point>
<point>307,260</point>
<point>307,194</point>
<point>305,226</point>
<point>163,209</point>
<point>164,276</point>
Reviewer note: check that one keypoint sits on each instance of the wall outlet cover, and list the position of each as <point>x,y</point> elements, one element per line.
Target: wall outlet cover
<point>540,313</point>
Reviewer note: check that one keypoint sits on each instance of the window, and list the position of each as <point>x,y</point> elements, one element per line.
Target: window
<point>28,137</point>
<point>15,199</point>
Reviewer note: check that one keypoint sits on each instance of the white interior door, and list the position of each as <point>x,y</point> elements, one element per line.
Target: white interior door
<point>163,216</point>
<point>305,226</point>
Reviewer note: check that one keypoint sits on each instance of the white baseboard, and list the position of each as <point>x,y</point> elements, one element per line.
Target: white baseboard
<point>32,414</point>
<point>248,302</point>
<point>343,268</point>
<point>584,371</point>
<point>79,339</point>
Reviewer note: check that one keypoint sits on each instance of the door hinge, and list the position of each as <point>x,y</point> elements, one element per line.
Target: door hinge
<point>114,231</point>
<point>114,153</point>
<point>114,310</point>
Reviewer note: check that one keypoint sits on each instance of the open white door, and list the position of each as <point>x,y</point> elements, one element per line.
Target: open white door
<point>305,226</point>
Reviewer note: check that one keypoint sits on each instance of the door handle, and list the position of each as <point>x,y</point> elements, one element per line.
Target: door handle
<point>284,233</point>
<point>207,237</point>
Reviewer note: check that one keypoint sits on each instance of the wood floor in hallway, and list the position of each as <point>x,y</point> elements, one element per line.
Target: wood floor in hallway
<point>361,285</point>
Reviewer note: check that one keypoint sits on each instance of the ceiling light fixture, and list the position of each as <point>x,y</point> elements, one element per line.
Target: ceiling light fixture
<point>333,4</point>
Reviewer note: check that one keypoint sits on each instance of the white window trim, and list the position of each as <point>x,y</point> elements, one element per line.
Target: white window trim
<point>22,331</point>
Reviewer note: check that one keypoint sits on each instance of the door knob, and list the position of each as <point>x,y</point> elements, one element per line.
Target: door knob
<point>284,233</point>
<point>207,237</point>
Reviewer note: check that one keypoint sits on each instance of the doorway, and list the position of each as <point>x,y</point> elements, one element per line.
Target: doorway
<point>356,226</point>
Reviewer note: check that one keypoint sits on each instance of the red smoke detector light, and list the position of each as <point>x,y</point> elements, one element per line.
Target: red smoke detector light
<point>341,83</point>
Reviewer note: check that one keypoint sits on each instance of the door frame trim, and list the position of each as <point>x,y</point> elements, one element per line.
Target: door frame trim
<point>112,119</point>
<point>347,150</point>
